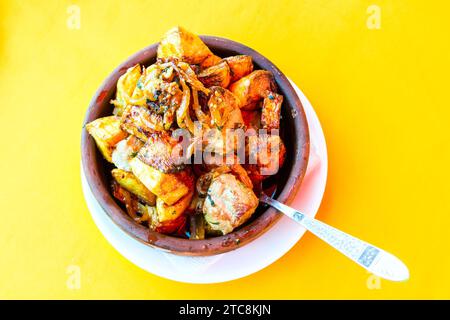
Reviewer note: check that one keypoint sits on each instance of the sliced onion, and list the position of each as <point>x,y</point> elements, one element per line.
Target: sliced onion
<point>183,118</point>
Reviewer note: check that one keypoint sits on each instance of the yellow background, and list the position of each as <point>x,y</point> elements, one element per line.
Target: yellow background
<point>381,95</point>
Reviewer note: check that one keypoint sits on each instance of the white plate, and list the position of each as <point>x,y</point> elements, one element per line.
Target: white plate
<point>241,262</point>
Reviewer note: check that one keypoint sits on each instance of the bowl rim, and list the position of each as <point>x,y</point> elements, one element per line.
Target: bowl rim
<point>209,246</point>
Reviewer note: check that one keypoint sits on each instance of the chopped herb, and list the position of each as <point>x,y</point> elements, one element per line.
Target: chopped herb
<point>133,154</point>
<point>163,108</point>
<point>211,222</point>
<point>241,184</point>
<point>139,84</point>
<point>156,94</point>
<point>208,197</point>
<point>152,104</point>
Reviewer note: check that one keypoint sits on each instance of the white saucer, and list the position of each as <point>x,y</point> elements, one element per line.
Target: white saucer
<point>241,262</point>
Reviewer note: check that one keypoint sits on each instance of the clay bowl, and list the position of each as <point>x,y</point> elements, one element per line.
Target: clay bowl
<point>294,133</point>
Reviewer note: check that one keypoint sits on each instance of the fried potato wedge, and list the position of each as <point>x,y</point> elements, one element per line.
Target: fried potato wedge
<point>240,66</point>
<point>217,75</point>
<point>210,61</point>
<point>184,45</point>
<point>252,88</point>
<point>141,122</point>
<point>129,181</point>
<point>170,187</point>
<point>106,133</point>
<point>171,212</point>
<point>228,204</point>
<point>271,110</point>
<point>125,88</point>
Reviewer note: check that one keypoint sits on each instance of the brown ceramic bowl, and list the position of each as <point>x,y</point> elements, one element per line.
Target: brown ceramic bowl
<point>295,134</point>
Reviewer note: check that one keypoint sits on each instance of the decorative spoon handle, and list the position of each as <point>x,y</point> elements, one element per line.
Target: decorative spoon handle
<point>376,260</point>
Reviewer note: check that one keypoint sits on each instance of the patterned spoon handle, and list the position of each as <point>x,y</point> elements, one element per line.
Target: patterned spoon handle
<point>376,260</point>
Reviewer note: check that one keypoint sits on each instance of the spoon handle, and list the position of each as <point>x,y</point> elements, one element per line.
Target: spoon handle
<point>376,260</point>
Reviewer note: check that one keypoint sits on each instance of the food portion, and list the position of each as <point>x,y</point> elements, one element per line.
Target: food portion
<point>216,75</point>
<point>129,182</point>
<point>186,46</point>
<point>228,203</point>
<point>253,88</point>
<point>184,163</point>
<point>107,132</point>
<point>240,66</point>
<point>170,187</point>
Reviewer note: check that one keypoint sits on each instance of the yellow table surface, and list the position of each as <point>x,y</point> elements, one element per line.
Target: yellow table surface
<point>376,76</point>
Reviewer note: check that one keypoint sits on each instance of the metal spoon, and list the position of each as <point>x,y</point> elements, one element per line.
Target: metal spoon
<point>376,260</point>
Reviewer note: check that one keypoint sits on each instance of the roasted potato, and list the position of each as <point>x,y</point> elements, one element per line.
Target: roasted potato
<point>141,122</point>
<point>240,66</point>
<point>170,187</point>
<point>125,88</point>
<point>210,61</point>
<point>186,46</point>
<point>163,153</point>
<point>271,110</point>
<point>106,133</point>
<point>252,88</point>
<point>171,212</point>
<point>228,204</point>
<point>129,181</point>
<point>217,75</point>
